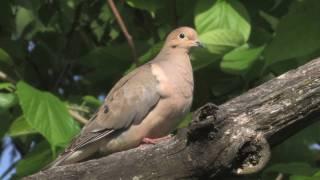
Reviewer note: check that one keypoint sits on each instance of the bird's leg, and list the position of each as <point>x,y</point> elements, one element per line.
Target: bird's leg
<point>155,140</point>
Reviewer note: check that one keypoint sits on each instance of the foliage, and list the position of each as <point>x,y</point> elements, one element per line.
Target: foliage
<point>64,54</point>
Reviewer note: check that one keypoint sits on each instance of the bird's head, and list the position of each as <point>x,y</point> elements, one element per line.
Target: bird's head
<point>183,37</point>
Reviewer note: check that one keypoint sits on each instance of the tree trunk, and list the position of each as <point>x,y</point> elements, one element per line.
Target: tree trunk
<point>231,137</point>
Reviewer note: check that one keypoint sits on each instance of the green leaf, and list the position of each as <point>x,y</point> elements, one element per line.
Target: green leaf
<point>47,114</point>
<point>7,86</point>
<point>240,60</point>
<point>297,33</point>
<point>222,15</point>
<point>220,41</point>
<point>24,17</point>
<point>35,160</point>
<point>20,127</point>
<point>7,100</point>
<point>99,25</point>
<point>5,58</point>
<point>92,100</point>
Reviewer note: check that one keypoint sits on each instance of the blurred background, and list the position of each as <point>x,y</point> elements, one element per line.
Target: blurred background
<point>59,59</point>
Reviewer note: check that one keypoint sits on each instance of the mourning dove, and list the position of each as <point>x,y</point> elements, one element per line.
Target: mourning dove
<point>144,105</point>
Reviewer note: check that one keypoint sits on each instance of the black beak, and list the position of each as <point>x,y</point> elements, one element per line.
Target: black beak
<point>199,44</point>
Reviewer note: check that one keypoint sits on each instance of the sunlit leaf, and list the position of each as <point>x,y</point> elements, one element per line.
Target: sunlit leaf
<point>47,114</point>
<point>240,60</point>
<point>222,15</point>
<point>221,41</point>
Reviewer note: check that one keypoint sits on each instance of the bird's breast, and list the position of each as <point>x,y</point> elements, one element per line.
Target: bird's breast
<point>174,80</point>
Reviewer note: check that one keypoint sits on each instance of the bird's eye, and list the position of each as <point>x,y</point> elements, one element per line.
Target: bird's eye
<point>181,36</point>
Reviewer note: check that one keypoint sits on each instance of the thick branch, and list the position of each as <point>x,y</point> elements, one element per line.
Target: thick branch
<point>217,140</point>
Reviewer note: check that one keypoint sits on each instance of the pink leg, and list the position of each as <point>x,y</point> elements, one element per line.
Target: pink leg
<point>155,140</point>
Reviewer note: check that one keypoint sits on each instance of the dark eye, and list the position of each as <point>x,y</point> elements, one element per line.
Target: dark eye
<point>181,36</point>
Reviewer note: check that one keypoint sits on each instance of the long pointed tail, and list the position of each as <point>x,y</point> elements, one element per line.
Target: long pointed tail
<point>61,160</point>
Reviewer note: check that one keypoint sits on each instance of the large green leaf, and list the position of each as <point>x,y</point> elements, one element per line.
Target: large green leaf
<point>47,114</point>
<point>229,15</point>
<point>297,33</point>
<point>220,41</point>
<point>240,60</point>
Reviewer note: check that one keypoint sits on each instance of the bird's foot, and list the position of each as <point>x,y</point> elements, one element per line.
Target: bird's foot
<point>155,140</point>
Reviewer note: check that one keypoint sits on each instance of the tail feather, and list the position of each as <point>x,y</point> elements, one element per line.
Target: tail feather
<point>59,161</point>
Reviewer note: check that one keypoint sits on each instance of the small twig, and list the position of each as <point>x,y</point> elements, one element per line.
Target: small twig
<point>78,108</point>
<point>124,30</point>
<point>5,77</point>
<point>78,117</point>
<point>279,177</point>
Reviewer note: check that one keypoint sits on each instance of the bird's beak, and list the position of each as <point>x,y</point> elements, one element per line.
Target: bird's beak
<point>199,44</point>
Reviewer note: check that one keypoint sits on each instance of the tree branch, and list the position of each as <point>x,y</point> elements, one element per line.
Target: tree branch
<point>230,138</point>
<point>78,117</point>
<point>124,30</point>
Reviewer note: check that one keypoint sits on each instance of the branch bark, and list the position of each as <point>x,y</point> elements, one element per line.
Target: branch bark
<point>230,138</point>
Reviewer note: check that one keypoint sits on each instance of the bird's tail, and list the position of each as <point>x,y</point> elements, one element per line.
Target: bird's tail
<point>61,160</point>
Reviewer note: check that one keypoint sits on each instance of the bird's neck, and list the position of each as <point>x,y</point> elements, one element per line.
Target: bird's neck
<point>174,55</point>
<point>175,61</point>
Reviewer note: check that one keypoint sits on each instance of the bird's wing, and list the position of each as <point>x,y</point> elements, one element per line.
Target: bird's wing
<point>128,102</point>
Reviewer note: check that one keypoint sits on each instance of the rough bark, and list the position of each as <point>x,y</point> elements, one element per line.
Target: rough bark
<point>230,138</point>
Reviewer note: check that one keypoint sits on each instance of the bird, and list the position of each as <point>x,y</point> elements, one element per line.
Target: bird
<point>144,106</point>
